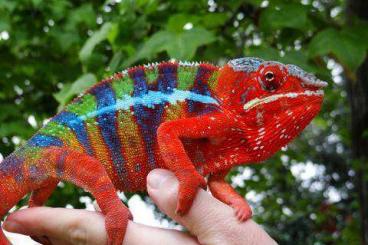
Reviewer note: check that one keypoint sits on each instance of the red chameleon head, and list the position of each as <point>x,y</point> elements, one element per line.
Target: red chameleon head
<point>271,102</point>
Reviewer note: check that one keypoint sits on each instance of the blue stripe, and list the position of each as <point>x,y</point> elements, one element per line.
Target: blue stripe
<point>149,118</point>
<point>142,113</point>
<point>12,166</point>
<point>73,122</point>
<point>60,163</point>
<point>167,79</point>
<point>140,84</point>
<point>41,140</point>
<point>105,97</point>
<point>201,88</point>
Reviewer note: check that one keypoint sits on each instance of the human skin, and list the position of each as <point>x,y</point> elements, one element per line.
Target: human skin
<point>209,221</point>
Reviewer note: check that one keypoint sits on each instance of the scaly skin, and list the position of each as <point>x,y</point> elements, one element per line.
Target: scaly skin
<point>194,119</point>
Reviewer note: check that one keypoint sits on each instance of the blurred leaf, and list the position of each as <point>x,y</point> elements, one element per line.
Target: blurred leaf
<point>16,128</point>
<point>8,111</point>
<point>255,2</point>
<point>77,87</point>
<point>4,25</point>
<point>115,61</point>
<point>264,52</point>
<point>184,45</point>
<point>65,39</point>
<point>323,42</point>
<point>113,33</point>
<point>278,17</point>
<point>177,22</point>
<point>95,39</point>
<point>155,44</point>
<point>348,49</point>
<point>36,3</point>
<point>83,14</point>
<point>8,5</point>
<point>213,20</point>
<point>180,46</point>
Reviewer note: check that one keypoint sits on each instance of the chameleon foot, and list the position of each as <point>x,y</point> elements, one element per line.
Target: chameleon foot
<point>116,223</point>
<point>242,211</point>
<point>189,183</point>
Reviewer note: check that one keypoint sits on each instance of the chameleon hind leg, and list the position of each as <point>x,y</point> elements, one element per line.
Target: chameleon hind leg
<point>38,198</point>
<point>89,174</point>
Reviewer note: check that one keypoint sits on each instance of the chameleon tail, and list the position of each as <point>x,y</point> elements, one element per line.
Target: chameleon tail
<point>33,167</point>
<point>12,186</point>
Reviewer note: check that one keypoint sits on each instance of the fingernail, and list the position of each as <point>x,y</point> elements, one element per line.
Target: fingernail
<point>156,177</point>
<point>13,226</point>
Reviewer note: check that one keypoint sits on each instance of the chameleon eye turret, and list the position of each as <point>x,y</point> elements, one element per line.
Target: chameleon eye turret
<point>247,64</point>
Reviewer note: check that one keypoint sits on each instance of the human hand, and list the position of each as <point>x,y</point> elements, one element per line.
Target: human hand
<point>209,220</point>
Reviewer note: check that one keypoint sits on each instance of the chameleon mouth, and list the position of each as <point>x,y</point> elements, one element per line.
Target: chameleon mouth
<point>256,102</point>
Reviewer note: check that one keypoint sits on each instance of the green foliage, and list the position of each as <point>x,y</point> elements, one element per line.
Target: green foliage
<point>95,39</point>
<point>348,47</point>
<point>70,90</point>
<point>278,17</point>
<point>52,50</point>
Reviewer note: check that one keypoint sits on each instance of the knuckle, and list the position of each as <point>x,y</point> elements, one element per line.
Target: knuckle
<point>77,232</point>
<point>223,234</point>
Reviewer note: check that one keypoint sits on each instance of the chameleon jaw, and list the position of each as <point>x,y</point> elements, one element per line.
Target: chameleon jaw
<point>256,102</point>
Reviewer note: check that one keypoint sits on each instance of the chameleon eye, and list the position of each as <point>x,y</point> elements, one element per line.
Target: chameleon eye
<point>269,81</point>
<point>269,76</point>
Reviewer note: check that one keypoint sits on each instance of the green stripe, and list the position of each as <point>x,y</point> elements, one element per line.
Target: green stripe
<point>213,80</point>
<point>57,130</point>
<point>186,77</point>
<point>33,153</point>
<point>85,105</point>
<point>123,87</point>
<point>151,75</point>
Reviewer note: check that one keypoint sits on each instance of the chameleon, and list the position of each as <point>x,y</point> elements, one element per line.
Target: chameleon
<point>196,119</point>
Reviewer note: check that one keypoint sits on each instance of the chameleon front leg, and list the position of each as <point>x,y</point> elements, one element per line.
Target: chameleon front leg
<point>226,194</point>
<point>175,157</point>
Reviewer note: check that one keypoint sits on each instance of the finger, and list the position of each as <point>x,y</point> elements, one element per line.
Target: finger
<point>68,226</point>
<point>210,220</point>
<point>163,188</point>
<point>146,235</point>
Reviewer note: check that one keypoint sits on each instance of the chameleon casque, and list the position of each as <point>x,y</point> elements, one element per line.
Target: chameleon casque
<point>195,119</point>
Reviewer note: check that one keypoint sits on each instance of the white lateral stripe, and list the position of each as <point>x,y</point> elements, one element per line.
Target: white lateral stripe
<point>249,105</point>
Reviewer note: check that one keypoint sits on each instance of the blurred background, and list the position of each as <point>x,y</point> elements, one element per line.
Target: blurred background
<point>315,191</point>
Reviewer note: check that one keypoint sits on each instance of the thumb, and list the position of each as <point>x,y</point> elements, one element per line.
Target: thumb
<point>210,220</point>
<point>207,214</point>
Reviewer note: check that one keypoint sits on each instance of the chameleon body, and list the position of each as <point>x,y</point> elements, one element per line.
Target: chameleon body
<point>195,119</point>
